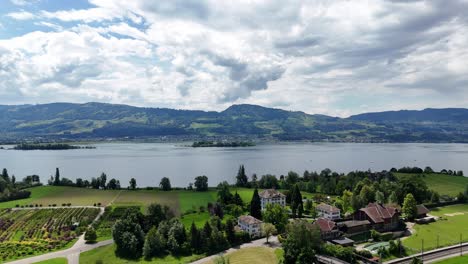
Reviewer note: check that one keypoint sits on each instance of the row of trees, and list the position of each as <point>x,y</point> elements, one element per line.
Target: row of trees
<point>134,236</point>
<point>95,183</point>
<point>10,189</point>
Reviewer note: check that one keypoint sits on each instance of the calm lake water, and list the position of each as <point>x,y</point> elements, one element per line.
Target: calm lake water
<point>149,162</point>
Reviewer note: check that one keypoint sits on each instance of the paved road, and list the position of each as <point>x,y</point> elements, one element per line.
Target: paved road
<point>73,253</point>
<point>435,255</point>
<point>274,243</point>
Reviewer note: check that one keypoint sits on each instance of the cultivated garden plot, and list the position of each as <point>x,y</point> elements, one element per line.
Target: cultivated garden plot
<point>34,231</point>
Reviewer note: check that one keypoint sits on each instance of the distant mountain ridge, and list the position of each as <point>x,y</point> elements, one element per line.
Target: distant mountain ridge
<point>100,120</point>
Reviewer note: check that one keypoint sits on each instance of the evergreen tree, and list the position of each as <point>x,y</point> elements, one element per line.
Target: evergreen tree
<point>102,181</point>
<point>241,178</point>
<point>230,234</point>
<point>296,202</point>
<point>393,198</point>
<point>255,205</point>
<point>238,200</point>
<point>195,239</point>
<point>379,197</point>
<point>5,175</point>
<point>154,244</point>
<point>57,177</point>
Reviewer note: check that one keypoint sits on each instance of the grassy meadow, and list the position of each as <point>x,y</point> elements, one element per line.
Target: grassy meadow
<point>453,222</point>
<point>106,255</point>
<point>455,260</point>
<point>445,184</point>
<point>53,261</point>
<point>253,255</point>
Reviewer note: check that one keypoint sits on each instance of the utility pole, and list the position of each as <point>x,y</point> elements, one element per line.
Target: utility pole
<point>422,250</point>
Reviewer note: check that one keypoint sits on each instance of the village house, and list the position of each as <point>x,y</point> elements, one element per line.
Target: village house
<point>328,229</point>
<point>328,211</point>
<point>352,227</point>
<point>382,218</point>
<point>272,196</point>
<point>250,224</point>
<point>422,211</point>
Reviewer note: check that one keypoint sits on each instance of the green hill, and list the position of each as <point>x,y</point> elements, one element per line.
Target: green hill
<point>99,120</point>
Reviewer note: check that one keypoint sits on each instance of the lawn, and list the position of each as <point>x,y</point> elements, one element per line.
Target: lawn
<point>199,219</point>
<point>455,260</point>
<point>53,261</point>
<point>446,231</point>
<point>445,184</point>
<point>253,255</point>
<point>144,198</point>
<point>48,195</point>
<point>107,256</point>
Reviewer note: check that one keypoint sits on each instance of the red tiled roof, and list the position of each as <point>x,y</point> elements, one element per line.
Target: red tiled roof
<point>325,225</point>
<point>328,208</point>
<point>271,193</point>
<point>378,213</point>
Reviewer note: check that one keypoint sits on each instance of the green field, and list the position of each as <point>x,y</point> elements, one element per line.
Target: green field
<point>48,195</point>
<point>107,256</point>
<point>453,222</point>
<point>253,255</point>
<point>456,260</point>
<point>53,261</point>
<point>445,184</point>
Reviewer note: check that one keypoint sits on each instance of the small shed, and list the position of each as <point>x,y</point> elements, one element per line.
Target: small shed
<point>343,241</point>
<point>422,211</point>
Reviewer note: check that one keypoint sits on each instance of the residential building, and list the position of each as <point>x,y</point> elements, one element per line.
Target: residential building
<point>328,211</point>
<point>352,227</point>
<point>328,229</point>
<point>272,196</point>
<point>250,224</point>
<point>382,218</point>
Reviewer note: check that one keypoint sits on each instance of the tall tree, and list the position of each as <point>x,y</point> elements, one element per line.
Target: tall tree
<point>165,184</point>
<point>379,197</point>
<point>102,181</point>
<point>224,195</point>
<point>57,177</point>
<point>133,183</point>
<point>195,238</point>
<point>277,215</point>
<point>90,235</point>
<point>409,209</point>
<point>201,183</point>
<point>5,175</point>
<point>393,198</point>
<point>296,202</point>
<point>238,200</point>
<point>256,205</point>
<point>241,179</point>
<point>268,230</point>
<point>154,244</point>
<point>302,243</point>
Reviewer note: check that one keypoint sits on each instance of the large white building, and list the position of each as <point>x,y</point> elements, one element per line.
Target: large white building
<point>272,196</point>
<point>328,211</point>
<point>250,224</point>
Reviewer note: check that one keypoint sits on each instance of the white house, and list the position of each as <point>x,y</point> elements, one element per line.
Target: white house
<point>328,211</point>
<point>272,196</point>
<point>250,224</point>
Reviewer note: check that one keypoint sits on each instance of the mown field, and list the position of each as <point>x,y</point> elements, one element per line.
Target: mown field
<point>30,232</point>
<point>253,255</point>
<point>445,184</point>
<point>446,231</point>
<point>455,260</point>
<point>106,255</point>
<point>53,261</point>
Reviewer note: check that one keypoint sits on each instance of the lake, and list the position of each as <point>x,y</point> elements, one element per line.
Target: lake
<point>149,162</point>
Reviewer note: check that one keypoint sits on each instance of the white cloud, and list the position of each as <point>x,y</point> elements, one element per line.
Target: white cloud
<point>333,57</point>
<point>21,15</point>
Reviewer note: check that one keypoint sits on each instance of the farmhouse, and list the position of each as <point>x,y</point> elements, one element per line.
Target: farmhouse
<point>422,211</point>
<point>352,227</point>
<point>328,211</point>
<point>328,229</point>
<point>272,196</point>
<point>250,224</point>
<point>381,217</point>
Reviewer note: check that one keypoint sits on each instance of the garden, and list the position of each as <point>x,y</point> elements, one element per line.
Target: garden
<point>30,232</point>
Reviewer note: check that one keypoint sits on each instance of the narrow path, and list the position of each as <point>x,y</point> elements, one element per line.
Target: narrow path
<point>274,243</point>
<point>115,198</point>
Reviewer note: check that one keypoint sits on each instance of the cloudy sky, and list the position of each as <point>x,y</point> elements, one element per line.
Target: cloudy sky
<point>318,56</point>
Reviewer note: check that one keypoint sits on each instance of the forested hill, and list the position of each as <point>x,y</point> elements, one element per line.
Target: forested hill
<point>98,121</point>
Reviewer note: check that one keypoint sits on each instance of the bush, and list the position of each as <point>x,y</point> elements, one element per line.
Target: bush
<point>386,236</point>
